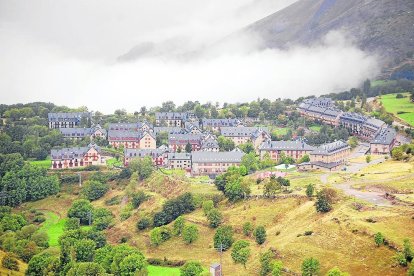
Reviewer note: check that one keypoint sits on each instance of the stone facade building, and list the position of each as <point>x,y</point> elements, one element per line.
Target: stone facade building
<point>76,157</point>
<point>69,119</point>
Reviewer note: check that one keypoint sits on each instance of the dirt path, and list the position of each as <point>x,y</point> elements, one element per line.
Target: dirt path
<point>370,196</point>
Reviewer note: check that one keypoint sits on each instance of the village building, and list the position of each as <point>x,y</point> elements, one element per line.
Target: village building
<point>330,157</point>
<point>80,133</point>
<point>213,163</point>
<point>384,141</point>
<point>76,157</point>
<point>241,135</point>
<point>173,119</point>
<point>321,109</point>
<point>169,130</point>
<point>69,119</point>
<point>216,124</point>
<point>132,139</point>
<point>177,160</point>
<point>359,125</point>
<point>139,126</point>
<point>178,142</point>
<point>276,149</point>
<point>158,156</point>
<point>210,143</point>
<point>192,127</point>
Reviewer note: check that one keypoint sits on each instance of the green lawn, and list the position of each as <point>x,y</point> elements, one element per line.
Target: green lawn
<point>315,128</point>
<point>113,162</point>
<point>54,227</point>
<point>396,106</point>
<point>280,130</point>
<point>42,163</point>
<point>163,271</point>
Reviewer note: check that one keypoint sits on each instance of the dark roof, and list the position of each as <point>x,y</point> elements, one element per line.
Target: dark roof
<point>209,143</point>
<point>222,156</point>
<point>173,115</point>
<point>169,130</point>
<point>179,156</point>
<point>183,139</point>
<point>353,117</point>
<point>385,136</point>
<point>72,153</point>
<point>68,116</point>
<point>330,148</point>
<point>240,131</point>
<point>127,135</point>
<point>220,122</point>
<point>128,126</point>
<point>76,132</point>
<point>285,145</point>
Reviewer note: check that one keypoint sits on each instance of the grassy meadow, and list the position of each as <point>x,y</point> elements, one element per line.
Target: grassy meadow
<point>402,108</point>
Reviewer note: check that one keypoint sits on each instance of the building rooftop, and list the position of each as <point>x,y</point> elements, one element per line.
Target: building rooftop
<point>285,145</point>
<point>179,156</point>
<point>220,122</point>
<point>169,130</point>
<point>173,115</point>
<point>385,136</point>
<point>241,131</point>
<point>68,116</point>
<point>217,157</point>
<point>330,148</point>
<point>72,153</point>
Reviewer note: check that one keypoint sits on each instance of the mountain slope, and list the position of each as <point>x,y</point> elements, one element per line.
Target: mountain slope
<point>384,27</point>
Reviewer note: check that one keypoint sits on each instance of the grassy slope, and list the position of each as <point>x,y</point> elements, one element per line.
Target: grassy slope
<point>42,163</point>
<point>394,105</point>
<point>8,272</point>
<point>163,271</point>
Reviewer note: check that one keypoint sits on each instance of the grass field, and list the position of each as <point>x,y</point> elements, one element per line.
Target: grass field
<point>315,128</point>
<point>42,163</point>
<point>54,227</point>
<point>396,106</point>
<point>163,271</point>
<point>8,272</point>
<point>113,162</point>
<point>280,130</point>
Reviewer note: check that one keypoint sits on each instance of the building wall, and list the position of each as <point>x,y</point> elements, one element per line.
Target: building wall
<point>147,142</point>
<point>275,154</point>
<point>63,124</point>
<point>179,164</point>
<point>127,144</point>
<point>335,157</point>
<point>208,168</point>
<point>92,157</point>
<point>381,148</point>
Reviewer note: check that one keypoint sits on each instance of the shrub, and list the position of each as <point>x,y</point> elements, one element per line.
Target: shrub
<point>223,238</point>
<point>191,268</point>
<point>93,189</point>
<point>308,233</point>
<point>277,268</point>
<point>400,259</point>
<point>39,219</point>
<point>408,251</point>
<point>159,235</point>
<point>247,229</point>
<point>214,217</point>
<point>113,201</point>
<point>178,226</point>
<point>266,262</point>
<point>72,224</point>
<point>260,234</point>
<point>173,208</point>
<point>241,252</point>
<point>207,206</point>
<point>310,190</point>
<point>138,198</point>
<point>143,223</point>
<point>324,201</point>
<point>190,233</point>
<point>10,262</point>
<point>336,272</point>
<point>310,267</point>
<point>81,209</point>
<point>379,239</point>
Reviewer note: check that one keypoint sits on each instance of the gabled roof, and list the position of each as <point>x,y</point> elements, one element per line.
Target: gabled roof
<point>286,145</point>
<point>72,153</point>
<point>209,143</point>
<point>169,130</point>
<point>68,116</point>
<point>241,131</point>
<point>173,115</point>
<point>220,122</point>
<point>76,132</point>
<point>329,148</point>
<point>221,156</point>
<point>183,139</point>
<point>385,136</point>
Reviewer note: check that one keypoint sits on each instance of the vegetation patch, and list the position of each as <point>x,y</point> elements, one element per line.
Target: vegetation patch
<point>402,108</point>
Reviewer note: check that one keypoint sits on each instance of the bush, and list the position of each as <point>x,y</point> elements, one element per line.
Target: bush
<point>9,261</point>
<point>379,239</point>
<point>143,223</point>
<point>159,235</point>
<point>310,189</point>
<point>260,234</point>
<point>408,251</point>
<point>191,268</point>
<point>325,199</point>
<point>113,201</point>
<point>39,219</point>
<point>178,226</point>
<point>81,209</point>
<point>69,179</point>
<point>308,233</point>
<point>310,267</point>
<point>266,260</point>
<point>223,238</point>
<point>399,96</point>
<point>138,198</point>
<point>207,206</point>
<point>247,229</point>
<point>93,189</point>
<point>336,272</point>
<point>72,224</point>
<point>277,268</point>
<point>400,259</point>
<point>214,217</point>
<point>190,233</point>
<point>173,208</point>
<point>241,252</point>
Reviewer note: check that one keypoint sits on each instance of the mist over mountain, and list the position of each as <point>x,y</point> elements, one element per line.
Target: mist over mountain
<point>381,27</point>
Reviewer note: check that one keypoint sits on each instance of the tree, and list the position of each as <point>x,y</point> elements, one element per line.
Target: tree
<point>241,252</point>
<point>408,251</point>
<point>207,206</point>
<point>310,189</point>
<point>271,187</point>
<point>173,208</point>
<point>235,189</point>
<point>325,198</point>
<point>368,158</point>
<point>277,268</point>
<point>38,265</point>
<point>138,198</point>
<point>304,159</point>
<point>132,264</point>
<point>84,250</point>
<point>155,236</point>
<point>190,233</point>
<point>247,228</point>
<point>247,147</point>
<point>379,239</point>
<point>284,182</point>
<point>93,190</point>
<point>336,272</point>
<point>143,166</point>
<point>178,226</point>
<point>353,142</point>
<point>81,209</point>
<point>310,267</point>
<point>191,268</point>
<point>143,223</point>
<point>223,238</point>
<point>260,234</point>
<point>9,262</point>
<point>86,268</point>
<point>214,217</point>
<point>188,147</point>
<point>266,262</point>
<point>225,144</point>
<point>15,189</point>
<point>250,162</point>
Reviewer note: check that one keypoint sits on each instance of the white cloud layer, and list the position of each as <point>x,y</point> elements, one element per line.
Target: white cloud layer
<point>65,51</point>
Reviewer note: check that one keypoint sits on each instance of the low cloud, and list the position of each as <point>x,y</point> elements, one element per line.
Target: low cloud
<point>35,69</point>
